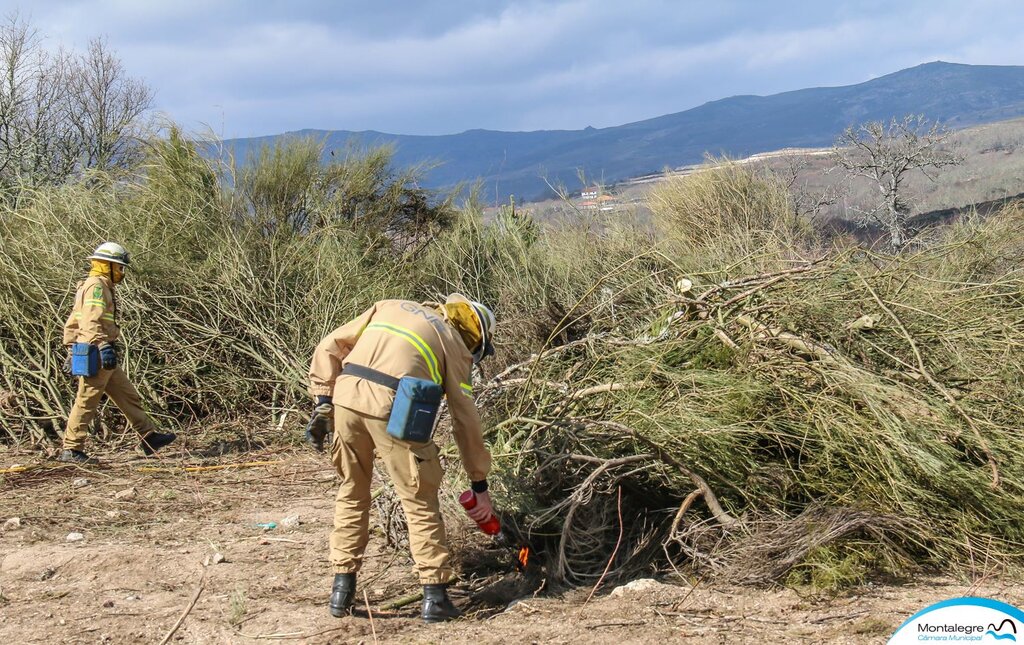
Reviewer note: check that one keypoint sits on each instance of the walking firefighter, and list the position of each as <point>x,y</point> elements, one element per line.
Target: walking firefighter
<point>379,381</point>
<point>90,335</point>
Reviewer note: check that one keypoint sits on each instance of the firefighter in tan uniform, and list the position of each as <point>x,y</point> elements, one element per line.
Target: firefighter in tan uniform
<point>93,321</point>
<point>354,371</point>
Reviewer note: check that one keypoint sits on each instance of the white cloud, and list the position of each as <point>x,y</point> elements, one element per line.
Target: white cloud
<point>420,67</point>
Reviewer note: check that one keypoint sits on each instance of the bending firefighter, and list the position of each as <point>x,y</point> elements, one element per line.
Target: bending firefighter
<point>90,335</point>
<point>384,374</point>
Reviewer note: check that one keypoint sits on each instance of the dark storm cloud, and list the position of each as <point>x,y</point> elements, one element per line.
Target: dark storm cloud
<point>434,67</point>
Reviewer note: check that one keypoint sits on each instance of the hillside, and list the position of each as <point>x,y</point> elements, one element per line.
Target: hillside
<point>517,162</point>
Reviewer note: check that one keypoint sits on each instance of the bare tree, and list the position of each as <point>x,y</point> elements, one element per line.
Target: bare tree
<point>37,141</point>
<point>53,147</point>
<point>886,154</point>
<point>60,114</point>
<point>15,40</point>
<point>809,200</point>
<point>106,105</point>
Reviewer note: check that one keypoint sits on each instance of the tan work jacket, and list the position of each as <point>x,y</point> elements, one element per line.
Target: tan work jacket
<point>92,318</point>
<point>403,338</point>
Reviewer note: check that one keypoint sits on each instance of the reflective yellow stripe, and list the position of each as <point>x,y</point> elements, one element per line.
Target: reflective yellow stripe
<point>78,316</point>
<point>467,389</point>
<point>99,303</point>
<point>421,346</point>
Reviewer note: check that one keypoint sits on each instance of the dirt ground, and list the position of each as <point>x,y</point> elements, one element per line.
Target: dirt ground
<point>151,532</point>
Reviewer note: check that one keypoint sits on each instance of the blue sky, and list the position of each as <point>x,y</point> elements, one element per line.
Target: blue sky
<point>247,68</point>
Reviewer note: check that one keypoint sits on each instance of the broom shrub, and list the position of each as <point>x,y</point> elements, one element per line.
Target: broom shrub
<point>839,412</point>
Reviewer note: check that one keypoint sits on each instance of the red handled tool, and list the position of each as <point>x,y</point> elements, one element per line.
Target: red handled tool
<point>491,525</point>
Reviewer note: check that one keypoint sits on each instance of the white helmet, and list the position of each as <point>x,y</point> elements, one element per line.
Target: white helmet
<point>111,252</point>
<point>487,322</point>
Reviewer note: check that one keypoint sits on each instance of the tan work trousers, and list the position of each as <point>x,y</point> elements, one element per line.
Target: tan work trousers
<point>115,384</point>
<point>415,470</point>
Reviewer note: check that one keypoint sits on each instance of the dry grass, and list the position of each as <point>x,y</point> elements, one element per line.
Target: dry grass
<point>729,211</point>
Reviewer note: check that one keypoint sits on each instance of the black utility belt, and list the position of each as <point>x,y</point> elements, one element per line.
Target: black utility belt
<point>371,375</point>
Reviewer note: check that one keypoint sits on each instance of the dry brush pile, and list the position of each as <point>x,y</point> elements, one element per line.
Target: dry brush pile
<point>750,405</point>
<point>724,395</point>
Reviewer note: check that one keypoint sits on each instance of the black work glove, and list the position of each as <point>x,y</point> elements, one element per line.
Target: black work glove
<point>321,423</point>
<point>108,356</point>
<point>66,368</point>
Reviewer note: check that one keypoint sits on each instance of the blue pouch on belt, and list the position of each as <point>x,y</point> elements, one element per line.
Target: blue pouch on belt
<point>414,411</point>
<point>85,360</point>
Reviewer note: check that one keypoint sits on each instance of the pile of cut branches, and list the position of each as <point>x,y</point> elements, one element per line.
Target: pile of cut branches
<point>850,412</point>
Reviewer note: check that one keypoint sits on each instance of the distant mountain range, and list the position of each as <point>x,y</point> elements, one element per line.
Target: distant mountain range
<point>517,162</point>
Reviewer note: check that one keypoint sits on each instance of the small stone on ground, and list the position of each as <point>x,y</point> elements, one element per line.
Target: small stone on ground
<point>128,493</point>
<point>291,522</point>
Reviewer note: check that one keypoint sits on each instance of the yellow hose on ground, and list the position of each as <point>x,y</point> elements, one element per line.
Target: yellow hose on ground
<point>158,469</point>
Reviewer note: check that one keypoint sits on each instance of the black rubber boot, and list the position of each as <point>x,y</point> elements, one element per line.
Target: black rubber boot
<point>437,606</point>
<point>343,594</point>
<point>76,457</point>
<point>155,441</point>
